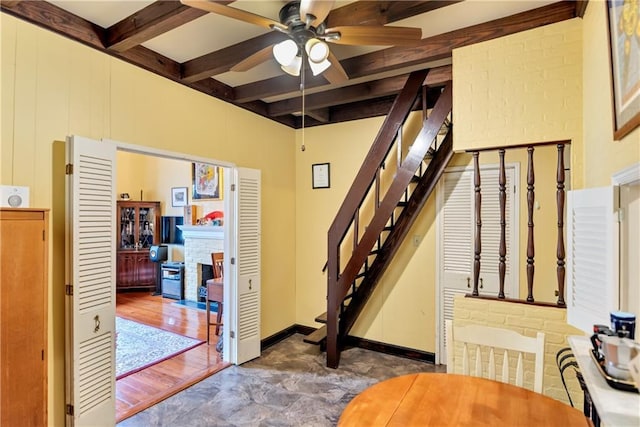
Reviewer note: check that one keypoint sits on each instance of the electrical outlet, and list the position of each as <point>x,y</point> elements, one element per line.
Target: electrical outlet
<point>416,240</point>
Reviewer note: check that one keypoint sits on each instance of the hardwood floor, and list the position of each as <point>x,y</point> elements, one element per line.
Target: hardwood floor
<point>143,389</point>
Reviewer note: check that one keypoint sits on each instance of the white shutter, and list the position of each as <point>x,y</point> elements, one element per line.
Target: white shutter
<point>90,255</point>
<point>248,270</point>
<point>592,288</point>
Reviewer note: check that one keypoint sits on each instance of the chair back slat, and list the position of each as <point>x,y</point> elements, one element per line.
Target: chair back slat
<point>492,363</point>
<point>519,371</point>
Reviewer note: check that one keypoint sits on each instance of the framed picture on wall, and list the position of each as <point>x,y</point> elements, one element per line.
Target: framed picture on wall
<point>624,44</point>
<point>179,196</point>
<point>320,176</point>
<point>207,181</point>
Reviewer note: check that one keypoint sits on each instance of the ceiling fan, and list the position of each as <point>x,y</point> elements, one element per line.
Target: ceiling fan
<point>303,23</point>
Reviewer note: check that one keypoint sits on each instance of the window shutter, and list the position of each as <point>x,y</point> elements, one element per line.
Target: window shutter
<point>592,288</point>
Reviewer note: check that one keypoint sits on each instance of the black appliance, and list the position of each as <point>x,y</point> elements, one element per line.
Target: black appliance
<point>173,280</point>
<point>169,231</point>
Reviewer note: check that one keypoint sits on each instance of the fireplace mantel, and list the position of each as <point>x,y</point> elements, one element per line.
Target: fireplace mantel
<point>202,231</point>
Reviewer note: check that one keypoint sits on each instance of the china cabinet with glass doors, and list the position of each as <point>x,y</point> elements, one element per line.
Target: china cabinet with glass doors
<point>139,229</point>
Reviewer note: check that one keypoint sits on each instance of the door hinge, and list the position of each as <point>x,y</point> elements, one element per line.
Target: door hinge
<point>233,261</point>
<point>44,239</point>
<point>69,410</point>
<point>232,334</point>
<point>42,354</point>
<point>68,290</point>
<point>620,215</point>
<point>233,187</point>
<point>68,170</point>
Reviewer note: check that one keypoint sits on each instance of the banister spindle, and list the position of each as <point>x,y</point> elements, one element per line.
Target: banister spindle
<point>560,206</point>
<point>530,202</point>
<point>377,189</point>
<point>356,228</point>
<point>399,147</point>
<point>502,252</point>
<point>478,203</point>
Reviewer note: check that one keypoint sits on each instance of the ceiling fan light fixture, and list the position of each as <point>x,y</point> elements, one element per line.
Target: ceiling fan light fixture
<point>317,50</point>
<point>285,52</point>
<point>319,67</point>
<point>293,68</point>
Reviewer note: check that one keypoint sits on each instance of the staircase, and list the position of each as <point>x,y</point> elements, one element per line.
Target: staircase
<point>387,196</point>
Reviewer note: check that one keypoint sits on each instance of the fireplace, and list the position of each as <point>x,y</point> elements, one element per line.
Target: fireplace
<point>199,242</point>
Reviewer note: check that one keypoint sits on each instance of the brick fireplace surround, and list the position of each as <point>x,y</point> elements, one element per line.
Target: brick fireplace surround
<point>199,242</point>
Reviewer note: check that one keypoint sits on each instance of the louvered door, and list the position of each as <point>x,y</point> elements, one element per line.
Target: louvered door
<point>592,285</point>
<point>456,229</point>
<point>247,308</point>
<point>91,266</point>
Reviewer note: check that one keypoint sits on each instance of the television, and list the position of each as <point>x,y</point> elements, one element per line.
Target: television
<point>169,232</point>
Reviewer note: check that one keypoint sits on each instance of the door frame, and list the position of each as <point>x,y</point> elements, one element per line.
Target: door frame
<point>229,354</point>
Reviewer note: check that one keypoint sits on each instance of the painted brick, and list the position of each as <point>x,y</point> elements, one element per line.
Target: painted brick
<point>525,322</point>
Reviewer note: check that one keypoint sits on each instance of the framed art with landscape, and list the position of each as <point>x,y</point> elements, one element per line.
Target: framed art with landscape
<point>179,196</point>
<point>207,181</point>
<point>624,45</point>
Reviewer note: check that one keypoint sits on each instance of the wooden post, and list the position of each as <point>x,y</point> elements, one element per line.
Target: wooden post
<point>530,244</point>
<point>502,252</point>
<point>560,206</point>
<point>478,240</point>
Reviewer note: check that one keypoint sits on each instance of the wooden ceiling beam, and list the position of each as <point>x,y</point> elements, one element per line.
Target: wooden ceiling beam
<point>381,12</point>
<point>53,18</point>
<point>430,49</point>
<point>222,60</point>
<point>155,19</point>
<point>320,114</point>
<point>369,90</point>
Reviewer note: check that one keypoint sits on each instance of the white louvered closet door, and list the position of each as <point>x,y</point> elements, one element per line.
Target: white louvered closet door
<point>456,229</point>
<point>90,255</point>
<point>247,310</point>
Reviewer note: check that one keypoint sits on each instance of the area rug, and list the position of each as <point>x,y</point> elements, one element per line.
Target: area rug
<point>139,346</point>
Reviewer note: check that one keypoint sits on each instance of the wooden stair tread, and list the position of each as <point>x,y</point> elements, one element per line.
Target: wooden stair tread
<point>322,318</point>
<point>317,337</point>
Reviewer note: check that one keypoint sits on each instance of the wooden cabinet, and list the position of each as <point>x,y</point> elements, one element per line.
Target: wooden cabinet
<point>23,316</point>
<point>138,230</point>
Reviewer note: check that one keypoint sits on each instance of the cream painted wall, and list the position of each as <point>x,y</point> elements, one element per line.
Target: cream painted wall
<point>53,87</point>
<point>602,155</point>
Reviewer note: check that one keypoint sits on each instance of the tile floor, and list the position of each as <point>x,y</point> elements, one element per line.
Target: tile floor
<point>288,386</point>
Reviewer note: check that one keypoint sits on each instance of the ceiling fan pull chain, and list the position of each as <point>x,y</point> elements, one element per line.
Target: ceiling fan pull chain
<point>302,148</point>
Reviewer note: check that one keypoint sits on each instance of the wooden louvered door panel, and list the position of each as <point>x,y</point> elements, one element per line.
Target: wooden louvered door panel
<point>23,317</point>
<point>248,265</point>
<point>91,259</point>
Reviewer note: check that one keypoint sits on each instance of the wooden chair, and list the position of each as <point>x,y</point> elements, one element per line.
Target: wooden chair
<point>215,292</point>
<point>490,339</point>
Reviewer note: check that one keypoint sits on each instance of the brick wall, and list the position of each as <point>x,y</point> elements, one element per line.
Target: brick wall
<point>526,87</point>
<point>526,320</point>
<point>197,251</point>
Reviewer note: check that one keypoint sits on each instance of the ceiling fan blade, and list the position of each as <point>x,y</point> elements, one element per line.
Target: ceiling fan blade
<point>335,74</point>
<point>254,60</point>
<point>318,8</point>
<point>376,35</point>
<point>232,12</point>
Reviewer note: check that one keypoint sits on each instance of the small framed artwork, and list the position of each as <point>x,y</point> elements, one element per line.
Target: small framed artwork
<point>320,176</point>
<point>624,45</point>
<point>179,196</point>
<point>207,181</point>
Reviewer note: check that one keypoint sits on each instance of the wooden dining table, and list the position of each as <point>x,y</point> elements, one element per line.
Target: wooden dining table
<point>428,399</point>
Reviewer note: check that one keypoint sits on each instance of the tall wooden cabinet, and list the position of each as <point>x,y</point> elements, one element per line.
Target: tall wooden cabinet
<point>23,316</point>
<point>139,229</point>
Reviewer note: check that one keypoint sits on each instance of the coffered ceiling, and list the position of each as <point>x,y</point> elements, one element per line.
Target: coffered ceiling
<point>198,48</point>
